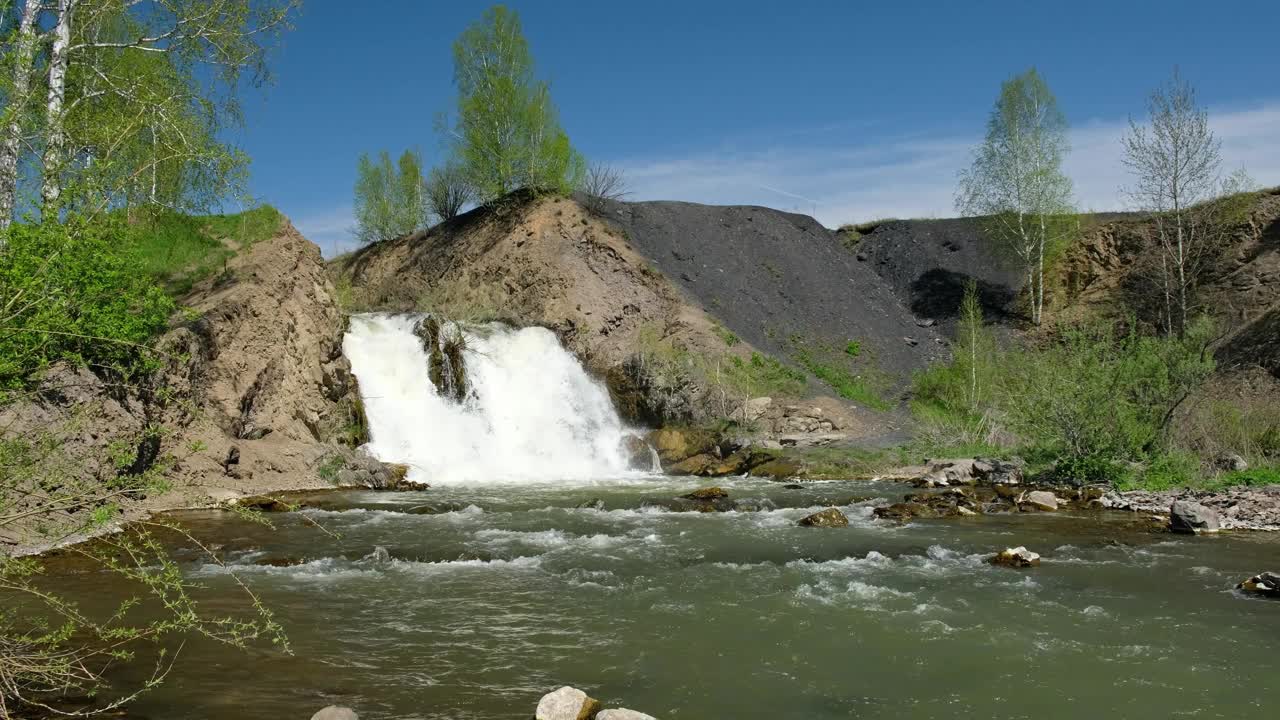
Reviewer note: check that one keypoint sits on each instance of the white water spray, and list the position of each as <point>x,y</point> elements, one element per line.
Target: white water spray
<point>533,413</point>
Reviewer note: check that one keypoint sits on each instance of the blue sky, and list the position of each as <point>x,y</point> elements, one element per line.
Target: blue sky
<point>846,110</point>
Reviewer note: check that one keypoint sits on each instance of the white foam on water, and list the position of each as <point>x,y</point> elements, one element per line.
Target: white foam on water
<point>533,414</point>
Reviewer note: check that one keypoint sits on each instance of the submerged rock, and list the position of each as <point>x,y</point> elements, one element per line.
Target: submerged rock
<point>567,703</point>
<point>437,508</point>
<point>1266,584</point>
<point>707,493</point>
<point>379,555</point>
<point>592,504</point>
<point>262,503</point>
<point>623,714</point>
<point>335,712</point>
<point>1192,518</point>
<point>1018,557</point>
<point>831,517</point>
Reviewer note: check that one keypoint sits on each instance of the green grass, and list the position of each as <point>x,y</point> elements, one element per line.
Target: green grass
<point>764,375</point>
<point>180,250</point>
<point>853,349</point>
<point>726,335</point>
<point>845,383</point>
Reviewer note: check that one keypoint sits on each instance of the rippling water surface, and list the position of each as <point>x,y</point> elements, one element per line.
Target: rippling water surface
<point>728,615</point>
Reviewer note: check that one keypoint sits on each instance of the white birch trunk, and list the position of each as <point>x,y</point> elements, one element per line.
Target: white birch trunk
<point>24,57</point>
<point>55,142</point>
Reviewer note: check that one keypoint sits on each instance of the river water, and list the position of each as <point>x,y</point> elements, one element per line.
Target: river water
<point>482,609</point>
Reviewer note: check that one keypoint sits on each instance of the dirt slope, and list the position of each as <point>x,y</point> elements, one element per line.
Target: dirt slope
<point>780,280</point>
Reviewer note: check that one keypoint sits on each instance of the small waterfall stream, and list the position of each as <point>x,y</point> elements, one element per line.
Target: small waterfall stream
<point>528,412</point>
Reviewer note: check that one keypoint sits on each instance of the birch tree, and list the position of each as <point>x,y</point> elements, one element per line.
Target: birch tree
<point>507,132</point>
<point>23,55</point>
<point>1016,180</point>
<point>213,46</point>
<point>1175,161</point>
<point>390,198</point>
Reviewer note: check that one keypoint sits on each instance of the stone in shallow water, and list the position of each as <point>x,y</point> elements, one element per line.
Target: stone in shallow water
<point>623,714</point>
<point>567,703</point>
<point>1267,584</point>
<point>831,517</point>
<point>707,493</point>
<point>1018,557</point>
<point>1043,500</point>
<point>334,712</point>
<point>1189,517</point>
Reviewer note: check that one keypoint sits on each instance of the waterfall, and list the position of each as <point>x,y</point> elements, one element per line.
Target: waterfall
<point>530,412</point>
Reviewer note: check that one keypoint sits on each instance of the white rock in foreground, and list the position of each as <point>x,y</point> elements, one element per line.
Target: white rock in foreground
<point>334,712</point>
<point>624,714</point>
<point>1018,557</point>
<point>566,704</point>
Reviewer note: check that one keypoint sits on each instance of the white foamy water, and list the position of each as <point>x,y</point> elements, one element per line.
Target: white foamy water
<point>533,414</point>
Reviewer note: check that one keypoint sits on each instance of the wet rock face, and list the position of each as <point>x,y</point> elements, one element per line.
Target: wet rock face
<point>707,493</point>
<point>1018,557</point>
<point>831,517</point>
<point>1266,584</point>
<point>1192,518</point>
<point>567,703</point>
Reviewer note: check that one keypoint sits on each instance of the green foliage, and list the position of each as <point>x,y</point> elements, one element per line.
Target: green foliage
<point>1094,399</point>
<point>846,384</point>
<point>390,199</point>
<point>1016,180</point>
<point>763,375</point>
<point>853,348</point>
<point>1256,476</point>
<point>507,133</point>
<point>71,292</point>
<point>726,335</point>
<point>179,250</point>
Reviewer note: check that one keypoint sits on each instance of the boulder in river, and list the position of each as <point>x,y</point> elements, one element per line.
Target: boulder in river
<point>623,714</point>
<point>696,465</point>
<point>335,712</point>
<point>1018,557</point>
<point>567,703</point>
<point>707,493</point>
<point>1192,518</point>
<point>831,517</point>
<point>1266,584</point>
<point>776,469</point>
<point>676,444</point>
<point>1042,500</point>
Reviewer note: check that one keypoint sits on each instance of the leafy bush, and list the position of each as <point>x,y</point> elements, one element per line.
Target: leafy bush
<point>71,292</point>
<point>1093,399</point>
<point>853,348</point>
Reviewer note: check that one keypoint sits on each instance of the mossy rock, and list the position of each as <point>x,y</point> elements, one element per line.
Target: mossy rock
<point>777,469</point>
<point>677,444</point>
<point>696,465</point>
<point>707,493</point>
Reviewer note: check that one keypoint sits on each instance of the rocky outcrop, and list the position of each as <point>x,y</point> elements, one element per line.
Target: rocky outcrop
<point>255,394</point>
<point>1239,508</point>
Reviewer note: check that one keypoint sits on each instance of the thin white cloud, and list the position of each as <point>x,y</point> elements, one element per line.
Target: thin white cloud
<point>330,229</point>
<point>915,177</point>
